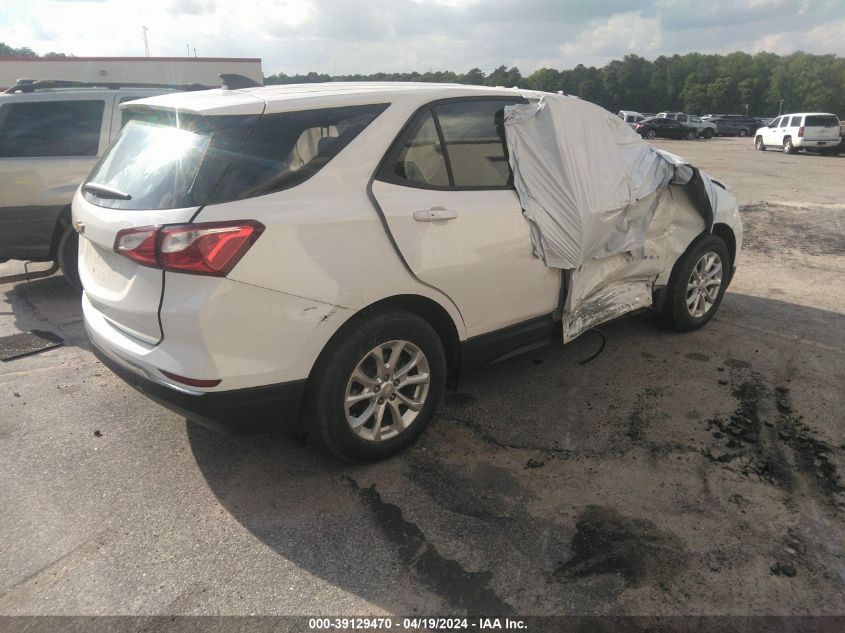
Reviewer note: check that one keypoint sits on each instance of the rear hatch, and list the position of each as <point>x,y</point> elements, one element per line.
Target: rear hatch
<point>161,169</point>
<point>821,127</point>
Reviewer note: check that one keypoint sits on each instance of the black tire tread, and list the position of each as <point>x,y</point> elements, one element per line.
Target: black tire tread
<point>674,314</point>
<point>328,427</point>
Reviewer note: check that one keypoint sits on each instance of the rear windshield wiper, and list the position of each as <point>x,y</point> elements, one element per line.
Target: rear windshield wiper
<point>102,191</point>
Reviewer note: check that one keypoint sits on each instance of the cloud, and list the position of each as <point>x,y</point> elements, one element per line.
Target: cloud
<point>191,7</point>
<point>402,35</point>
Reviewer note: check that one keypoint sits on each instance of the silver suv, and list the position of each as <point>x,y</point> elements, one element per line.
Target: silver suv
<point>51,135</point>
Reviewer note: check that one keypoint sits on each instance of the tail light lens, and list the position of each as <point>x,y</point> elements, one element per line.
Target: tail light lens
<point>206,248</point>
<point>801,132</point>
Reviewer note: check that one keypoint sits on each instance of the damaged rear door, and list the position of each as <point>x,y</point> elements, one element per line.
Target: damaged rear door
<point>446,192</point>
<point>600,205</point>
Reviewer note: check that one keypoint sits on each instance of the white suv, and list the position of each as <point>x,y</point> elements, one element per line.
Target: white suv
<point>704,129</point>
<point>818,131</point>
<point>328,255</point>
<point>51,134</point>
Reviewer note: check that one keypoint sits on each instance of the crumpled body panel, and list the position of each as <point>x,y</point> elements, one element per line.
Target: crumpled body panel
<point>598,201</point>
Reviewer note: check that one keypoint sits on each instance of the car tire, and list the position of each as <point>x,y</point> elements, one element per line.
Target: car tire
<point>742,132</point>
<point>700,276</point>
<point>788,147</point>
<point>651,134</point>
<point>67,257</point>
<point>708,134</point>
<point>759,145</point>
<point>690,135</point>
<point>351,397</point>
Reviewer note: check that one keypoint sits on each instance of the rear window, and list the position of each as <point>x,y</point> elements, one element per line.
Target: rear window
<point>165,160</point>
<point>51,128</point>
<point>821,120</point>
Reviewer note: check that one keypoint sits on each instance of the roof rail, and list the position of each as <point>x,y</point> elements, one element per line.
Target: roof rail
<point>31,85</point>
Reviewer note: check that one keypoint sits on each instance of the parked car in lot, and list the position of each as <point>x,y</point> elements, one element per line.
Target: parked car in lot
<point>816,131</point>
<point>703,128</point>
<point>51,133</point>
<point>659,127</point>
<point>630,117</point>
<point>327,255</point>
<point>734,125</point>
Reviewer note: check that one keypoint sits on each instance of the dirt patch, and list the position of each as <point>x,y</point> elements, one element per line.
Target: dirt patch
<point>812,456</point>
<point>755,439</point>
<point>481,491</point>
<point>466,590</point>
<point>606,542</point>
<point>775,230</point>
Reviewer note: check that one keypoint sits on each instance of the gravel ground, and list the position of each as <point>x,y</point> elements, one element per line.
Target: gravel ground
<point>674,474</point>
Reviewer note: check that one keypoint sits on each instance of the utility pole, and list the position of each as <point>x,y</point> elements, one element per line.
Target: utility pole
<point>780,107</point>
<point>144,30</point>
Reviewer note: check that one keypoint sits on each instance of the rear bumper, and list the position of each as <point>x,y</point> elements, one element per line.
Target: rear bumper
<point>264,409</point>
<point>818,143</point>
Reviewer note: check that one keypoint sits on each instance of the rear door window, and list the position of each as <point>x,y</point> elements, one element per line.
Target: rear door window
<point>474,133</point>
<point>51,128</point>
<point>418,157</point>
<point>821,120</point>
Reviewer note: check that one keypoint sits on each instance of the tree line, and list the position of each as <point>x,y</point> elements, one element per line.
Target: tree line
<point>762,84</point>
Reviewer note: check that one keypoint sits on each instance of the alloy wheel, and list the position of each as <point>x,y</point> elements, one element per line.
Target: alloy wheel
<point>704,284</point>
<point>387,390</point>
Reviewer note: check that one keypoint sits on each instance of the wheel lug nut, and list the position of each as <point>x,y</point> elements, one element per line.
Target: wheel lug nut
<point>376,388</point>
<point>381,400</point>
<point>396,383</point>
<point>393,397</point>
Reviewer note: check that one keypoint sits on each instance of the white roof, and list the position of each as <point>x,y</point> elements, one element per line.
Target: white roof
<point>314,95</point>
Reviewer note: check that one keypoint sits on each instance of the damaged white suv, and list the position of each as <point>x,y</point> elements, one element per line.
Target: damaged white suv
<point>329,255</point>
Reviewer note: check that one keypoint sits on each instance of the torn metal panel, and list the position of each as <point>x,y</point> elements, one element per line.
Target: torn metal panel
<point>602,203</point>
<point>603,289</point>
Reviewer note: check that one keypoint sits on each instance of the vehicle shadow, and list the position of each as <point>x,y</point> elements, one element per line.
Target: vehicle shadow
<point>48,304</point>
<point>469,518</point>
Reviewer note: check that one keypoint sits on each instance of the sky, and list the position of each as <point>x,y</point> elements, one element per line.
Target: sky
<point>365,36</point>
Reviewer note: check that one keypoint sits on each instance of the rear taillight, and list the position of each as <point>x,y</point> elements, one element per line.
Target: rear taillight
<point>801,132</point>
<point>207,248</point>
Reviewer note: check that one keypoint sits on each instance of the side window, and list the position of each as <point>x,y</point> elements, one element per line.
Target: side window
<point>796,121</point>
<point>51,128</point>
<point>775,123</point>
<point>474,134</point>
<point>419,156</point>
<point>695,119</point>
<point>682,117</point>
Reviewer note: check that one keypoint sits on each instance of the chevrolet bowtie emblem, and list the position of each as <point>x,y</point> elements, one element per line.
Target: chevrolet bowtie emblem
<point>79,226</point>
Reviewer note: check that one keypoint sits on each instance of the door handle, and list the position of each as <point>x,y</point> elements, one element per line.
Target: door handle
<point>434,214</point>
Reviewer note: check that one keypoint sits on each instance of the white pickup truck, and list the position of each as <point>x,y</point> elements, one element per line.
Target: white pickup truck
<point>705,128</point>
